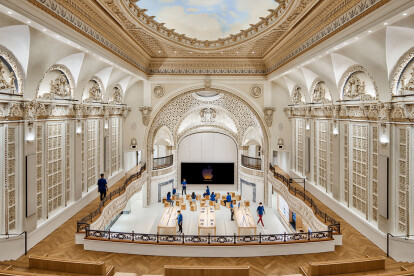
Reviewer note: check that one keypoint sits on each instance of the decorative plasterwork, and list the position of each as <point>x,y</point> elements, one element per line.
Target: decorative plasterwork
<point>15,75</point>
<point>146,114</point>
<point>268,115</point>
<point>352,87</point>
<point>158,91</point>
<point>397,79</point>
<point>142,20</point>
<point>256,91</point>
<point>208,115</point>
<point>118,95</point>
<point>297,97</point>
<point>61,87</point>
<point>95,92</point>
<point>319,92</point>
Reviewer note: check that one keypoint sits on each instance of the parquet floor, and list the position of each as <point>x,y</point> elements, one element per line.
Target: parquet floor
<point>61,243</point>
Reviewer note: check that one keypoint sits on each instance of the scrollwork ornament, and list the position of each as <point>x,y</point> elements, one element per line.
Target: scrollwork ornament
<point>268,115</point>
<point>15,74</point>
<point>288,112</point>
<point>146,114</point>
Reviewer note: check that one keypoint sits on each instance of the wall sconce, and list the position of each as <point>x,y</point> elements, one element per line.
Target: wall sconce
<point>335,129</point>
<point>384,140</point>
<point>78,127</point>
<point>106,124</point>
<point>30,136</point>
<point>307,127</point>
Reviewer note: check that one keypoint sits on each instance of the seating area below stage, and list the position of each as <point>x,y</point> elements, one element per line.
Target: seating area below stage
<point>146,220</point>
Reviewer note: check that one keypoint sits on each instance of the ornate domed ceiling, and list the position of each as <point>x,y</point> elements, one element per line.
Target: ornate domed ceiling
<point>188,43</point>
<point>208,20</point>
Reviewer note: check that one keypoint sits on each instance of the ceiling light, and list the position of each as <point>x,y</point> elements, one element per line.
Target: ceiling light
<point>385,24</point>
<point>405,14</point>
<point>191,52</point>
<point>327,52</point>
<point>252,52</point>
<point>370,31</point>
<point>57,36</point>
<point>9,12</point>
<point>336,48</point>
<point>159,51</point>
<point>221,52</point>
<point>346,43</point>
<point>44,30</point>
<point>28,22</point>
<point>356,38</point>
<point>175,52</point>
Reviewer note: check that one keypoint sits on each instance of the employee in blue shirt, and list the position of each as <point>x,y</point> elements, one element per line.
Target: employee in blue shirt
<point>180,222</point>
<point>260,213</point>
<point>175,192</point>
<point>184,187</point>
<point>213,197</point>
<point>231,211</point>
<point>169,198</point>
<point>207,191</point>
<point>102,186</point>
<point>228,198</point>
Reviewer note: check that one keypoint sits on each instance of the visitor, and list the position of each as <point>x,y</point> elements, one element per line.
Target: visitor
<point>260,213</point>
<point>213,197</point>
<point>193,197</point>
<point>102,186</point>
<point>207,192</point>
<point>169,198</point>
<point>180,222</point>
<point>184,187</point>
<point>231,211</point>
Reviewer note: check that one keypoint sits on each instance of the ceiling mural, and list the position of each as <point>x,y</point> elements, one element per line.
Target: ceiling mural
<point>207,20</point>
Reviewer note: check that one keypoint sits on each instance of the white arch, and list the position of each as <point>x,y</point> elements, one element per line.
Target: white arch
<point>16,39</point>
<point>74,64</point>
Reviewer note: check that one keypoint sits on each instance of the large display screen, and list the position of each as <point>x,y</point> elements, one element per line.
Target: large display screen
<point>208,173</point>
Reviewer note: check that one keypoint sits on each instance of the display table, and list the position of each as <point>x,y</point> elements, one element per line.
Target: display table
<point>207,219</point>
<point>168,221</point>
<point>244,219</point>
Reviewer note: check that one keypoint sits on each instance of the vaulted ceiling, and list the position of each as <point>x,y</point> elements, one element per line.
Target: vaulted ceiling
<point>283,33</point>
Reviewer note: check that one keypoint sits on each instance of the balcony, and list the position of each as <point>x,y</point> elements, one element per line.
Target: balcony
<point>251,162</point>
<point>162,162</point>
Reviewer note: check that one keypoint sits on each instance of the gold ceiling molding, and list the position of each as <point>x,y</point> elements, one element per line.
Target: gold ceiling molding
<point>114,25</point>
<point>148,22</point>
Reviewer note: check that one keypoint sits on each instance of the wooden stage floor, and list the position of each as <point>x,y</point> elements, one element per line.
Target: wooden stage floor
<point>61,243</point>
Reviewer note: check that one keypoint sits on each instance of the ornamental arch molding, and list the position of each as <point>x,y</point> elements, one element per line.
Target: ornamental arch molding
<point>14,67</point>
<point>353,70</point>
<point>181,103</point>
<point>62,69</point>
<point>405,62</point>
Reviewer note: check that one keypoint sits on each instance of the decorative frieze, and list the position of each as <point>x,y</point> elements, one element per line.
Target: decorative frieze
<point>146,114</point>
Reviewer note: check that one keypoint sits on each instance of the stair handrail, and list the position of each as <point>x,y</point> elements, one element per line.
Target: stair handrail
<point>17,234</point>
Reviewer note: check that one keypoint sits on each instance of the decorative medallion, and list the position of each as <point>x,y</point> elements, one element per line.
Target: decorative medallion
<point>256,91</point>
<point>158,91</point>
<point>208,115</point>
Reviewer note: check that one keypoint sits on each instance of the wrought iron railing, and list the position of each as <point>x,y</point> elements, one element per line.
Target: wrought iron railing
<point>332,223</point>
<point>251,162</point>
<point>207,239</point>
<point>162,162</point>
<point>84,223</point>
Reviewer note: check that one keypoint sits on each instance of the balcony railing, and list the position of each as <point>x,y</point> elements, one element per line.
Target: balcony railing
<point>163,162</point>
<point>251,162</point>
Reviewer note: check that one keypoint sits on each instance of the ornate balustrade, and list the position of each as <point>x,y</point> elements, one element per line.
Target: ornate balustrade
<point>85,222</point>
<point>163,162</point>
<point>251,162</point>
<point>208,239</point>
<point>331,222</point>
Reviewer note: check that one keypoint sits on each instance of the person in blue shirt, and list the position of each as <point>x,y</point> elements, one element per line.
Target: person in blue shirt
<point>102,186</point>
<point>169,198</point>
<point>260,213</point>
<point>231,211</point>
<point>193,197</point>
<point>213,197</point>
<point>175,192</point>
<point>207,191</point>
<point>180,222</point>
<point>228,198</point>
<point>184,186</point>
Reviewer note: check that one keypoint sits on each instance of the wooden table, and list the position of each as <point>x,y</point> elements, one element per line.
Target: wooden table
<point>207,219</point>
<point>168,221</point>
<point>244,219</point>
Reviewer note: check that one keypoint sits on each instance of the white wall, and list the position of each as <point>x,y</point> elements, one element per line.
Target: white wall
<point>130,160</point>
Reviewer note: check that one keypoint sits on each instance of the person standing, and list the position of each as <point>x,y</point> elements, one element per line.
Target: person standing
<point>102,186</point>
<point>184,187</point>
<point>180,222</point>
<point>260,213</point>
<point>231,211</point>
<point>169,198</point>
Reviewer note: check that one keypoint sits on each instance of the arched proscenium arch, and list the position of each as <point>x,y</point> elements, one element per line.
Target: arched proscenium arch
<point>171,113</point>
